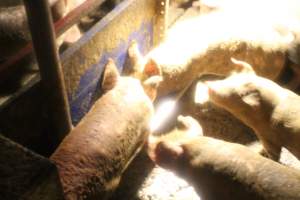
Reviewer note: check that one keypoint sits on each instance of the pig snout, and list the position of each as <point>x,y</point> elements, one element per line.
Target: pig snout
<point>163,153</point>
<point>166,150</point>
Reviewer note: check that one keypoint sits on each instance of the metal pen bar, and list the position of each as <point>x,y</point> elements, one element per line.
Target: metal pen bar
<point>46,52</point>
<point>60,27</point>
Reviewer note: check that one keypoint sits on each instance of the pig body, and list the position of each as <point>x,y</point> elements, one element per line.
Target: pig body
<point>92,157</point>
<point>223,170</point>
<point>205,43</point>
<point>270,110</point>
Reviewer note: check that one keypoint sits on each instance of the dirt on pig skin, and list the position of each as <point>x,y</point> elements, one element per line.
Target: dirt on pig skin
<point>269,109</point>
<point>222,170</point>
<point>93,156</point>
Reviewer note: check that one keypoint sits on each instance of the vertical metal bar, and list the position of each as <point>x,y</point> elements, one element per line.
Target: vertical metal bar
<point>44,43</point>
<point>164,20</point>
<point>166,15</point>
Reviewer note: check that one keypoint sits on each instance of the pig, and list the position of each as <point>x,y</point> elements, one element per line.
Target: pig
<point>14,31</point>
<point>93,156</point>
<point>269,109</point>
<point>223,170</point>
<point>88,21</point>
<point>204,44</point>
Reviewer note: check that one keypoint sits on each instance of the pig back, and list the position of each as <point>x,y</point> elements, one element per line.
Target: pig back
<point>92,157</point>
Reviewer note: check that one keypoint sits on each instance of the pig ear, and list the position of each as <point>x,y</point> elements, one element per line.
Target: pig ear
<point>152,68</point>
<point>134,60</point>
<point>189,124</point>
<point>211,88</point>
<point>133,52</point>
<point>243,67</point>
<point>110,75</point>
<point>150,86</point>
<point>185,122</point>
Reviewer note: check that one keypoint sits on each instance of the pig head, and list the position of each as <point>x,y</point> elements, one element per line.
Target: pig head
<point>94,154</point>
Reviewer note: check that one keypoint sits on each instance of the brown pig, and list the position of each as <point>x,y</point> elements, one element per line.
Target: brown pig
<point>220,170</point>
<point>270,110</point>
<point>93,156</point>
<point>204,44</point>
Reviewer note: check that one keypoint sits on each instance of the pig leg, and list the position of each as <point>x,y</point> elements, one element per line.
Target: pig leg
<point>270,150</point>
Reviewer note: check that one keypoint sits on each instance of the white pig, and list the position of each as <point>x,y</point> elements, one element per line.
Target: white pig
<point>272,111</point>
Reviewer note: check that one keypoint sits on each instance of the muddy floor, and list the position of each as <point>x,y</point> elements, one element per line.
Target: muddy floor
<point>144,181</point>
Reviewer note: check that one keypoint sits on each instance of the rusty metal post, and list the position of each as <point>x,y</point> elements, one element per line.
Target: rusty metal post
<point>46,52</point>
